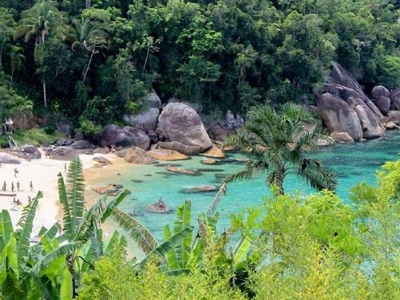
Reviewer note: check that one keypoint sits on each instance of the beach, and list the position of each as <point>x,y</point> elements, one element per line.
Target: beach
<point>43,175</point>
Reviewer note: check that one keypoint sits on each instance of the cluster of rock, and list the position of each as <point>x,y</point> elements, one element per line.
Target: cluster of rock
<point>350,115</point>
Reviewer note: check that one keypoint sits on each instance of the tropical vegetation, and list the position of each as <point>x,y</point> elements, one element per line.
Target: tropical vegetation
<point>291,247</point>
<point>91,62</point>
<point>277,142</point>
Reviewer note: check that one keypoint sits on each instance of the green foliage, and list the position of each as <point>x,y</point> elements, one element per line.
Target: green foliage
<point>277,142</point>
<point>36,137</point>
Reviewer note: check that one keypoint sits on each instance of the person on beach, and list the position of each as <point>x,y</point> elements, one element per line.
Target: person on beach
<point>29,199</point>
<point>18,186</point>
<point>18,202</point>
<point>4,187</point>
<point>15,172</point>
<point>31,185</point>
<point>12,186</point>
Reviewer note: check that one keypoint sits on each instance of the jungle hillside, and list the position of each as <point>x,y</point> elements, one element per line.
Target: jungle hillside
<point>91,62</point>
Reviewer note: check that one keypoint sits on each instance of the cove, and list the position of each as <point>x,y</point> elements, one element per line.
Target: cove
<point>352,163</point>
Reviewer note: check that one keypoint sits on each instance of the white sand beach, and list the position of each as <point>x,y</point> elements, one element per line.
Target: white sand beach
<point>43,174</point>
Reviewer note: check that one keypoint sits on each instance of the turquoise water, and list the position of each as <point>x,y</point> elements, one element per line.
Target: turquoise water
<point>352,164</point>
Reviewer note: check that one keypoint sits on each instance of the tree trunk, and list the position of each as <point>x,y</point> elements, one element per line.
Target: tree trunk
<point>42,38</point>
<point>90,60</point>
<point>44,95</point>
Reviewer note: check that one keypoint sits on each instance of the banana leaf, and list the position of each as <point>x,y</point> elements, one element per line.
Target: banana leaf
<point>162,249</point>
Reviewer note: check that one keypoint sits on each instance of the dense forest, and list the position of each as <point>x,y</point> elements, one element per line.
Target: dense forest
<point>91,62</point>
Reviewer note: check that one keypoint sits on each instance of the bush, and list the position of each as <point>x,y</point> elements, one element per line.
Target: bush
<point>36,137</point>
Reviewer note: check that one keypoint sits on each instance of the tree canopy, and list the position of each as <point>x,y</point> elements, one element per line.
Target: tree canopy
<point>77,57</point>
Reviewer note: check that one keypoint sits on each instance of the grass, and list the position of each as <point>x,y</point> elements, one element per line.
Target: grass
<point>37,137</point>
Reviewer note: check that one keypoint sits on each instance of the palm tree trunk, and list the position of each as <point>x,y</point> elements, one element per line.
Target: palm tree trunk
<point>90,61</point>
<point>44,94</point>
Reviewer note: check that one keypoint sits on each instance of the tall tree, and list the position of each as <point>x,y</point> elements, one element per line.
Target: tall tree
<point>88,37</point>
<point>277,142</point>
<point>39,21</point>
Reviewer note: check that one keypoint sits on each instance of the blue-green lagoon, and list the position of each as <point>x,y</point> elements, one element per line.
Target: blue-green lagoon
<point>352,163</point>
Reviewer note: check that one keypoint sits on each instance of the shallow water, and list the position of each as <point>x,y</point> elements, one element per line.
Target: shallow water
<point>352,164</point>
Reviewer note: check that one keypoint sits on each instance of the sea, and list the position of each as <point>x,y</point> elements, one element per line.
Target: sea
<point>352,163</point>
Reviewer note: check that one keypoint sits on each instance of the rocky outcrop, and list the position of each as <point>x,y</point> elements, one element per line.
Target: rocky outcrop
<point>168,155</point>
<point>383,103</point>
<point>198,189</point>
<point>182,171</point>
<point>183,129</point>
<point>102,161</point>
<point>214,152</point>
<point>342,137</point>
<point>369,123</point>
<point>344,107</point>
<point>339,116</point>
<point>111,190</point>
<point>138,156</point>
<point>380,91</point>
<point>124,137</point>
<point>146,120</point>
<point>395,99</point>
<point>160,207</point>
<point>63,153</point>
<point>30,151</point>
<point>82,145</point>
<point>6,158</point>
<point>140,138</point>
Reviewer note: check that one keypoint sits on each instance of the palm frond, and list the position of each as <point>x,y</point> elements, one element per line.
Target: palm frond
<point>221,192</point>
<point>138,232</point>
<point>251,168</point>
<point>62,196</point>
<point>26,222</point>
<point>75,192</point>
<point>318,177</point>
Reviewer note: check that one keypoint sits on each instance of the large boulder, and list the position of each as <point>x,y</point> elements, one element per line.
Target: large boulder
<point>380,91</point>
<point>82,145</point>
<point>137,155</point>
<point>339,116</point>
<point>383,103</point>
<point>30,152</point>
<point>146,120</point>
<point>64,153</point>
<point>395,99</point>
<point>124,137</point>
<point>6,158</point>
<point>369,123</point>
<point>140,138</point>
<point>183,128</point>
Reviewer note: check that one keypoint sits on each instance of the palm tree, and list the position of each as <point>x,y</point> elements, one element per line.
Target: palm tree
<point>40,20</point>
<point>277,142</point>
<point>21,110</point>
<point>87,35</point>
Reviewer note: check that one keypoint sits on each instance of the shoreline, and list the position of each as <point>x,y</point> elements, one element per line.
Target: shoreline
<point>43,175</point>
